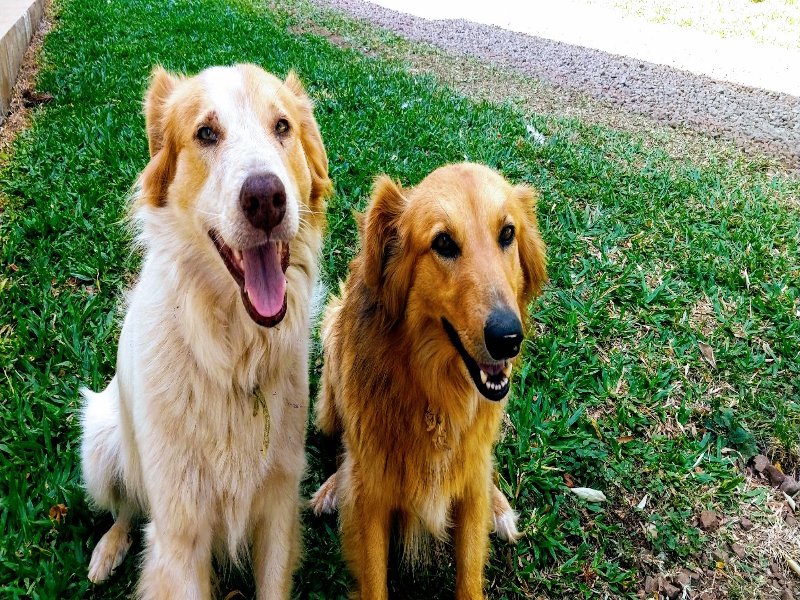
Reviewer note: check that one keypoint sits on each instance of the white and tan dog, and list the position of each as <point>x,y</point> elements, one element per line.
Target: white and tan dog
<point>202,430</point>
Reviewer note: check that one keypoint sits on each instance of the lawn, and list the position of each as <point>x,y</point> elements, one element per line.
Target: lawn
<point>650,257</point>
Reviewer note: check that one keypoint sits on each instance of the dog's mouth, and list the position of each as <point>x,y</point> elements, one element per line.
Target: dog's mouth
<point>493,380</point>
<point>259,271</point>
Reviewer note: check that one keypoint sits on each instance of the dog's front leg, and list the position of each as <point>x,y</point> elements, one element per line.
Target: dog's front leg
<point>177,561</point>
<point>276,539</point>
<point>366,525</point>
<point>472,523</point>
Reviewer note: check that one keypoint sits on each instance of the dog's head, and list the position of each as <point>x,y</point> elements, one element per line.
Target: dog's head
<point>457,258</point>
<point>237,158</point>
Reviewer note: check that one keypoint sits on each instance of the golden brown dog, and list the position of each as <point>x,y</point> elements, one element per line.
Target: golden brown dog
<point>201,431</point>
<point>418,354</point>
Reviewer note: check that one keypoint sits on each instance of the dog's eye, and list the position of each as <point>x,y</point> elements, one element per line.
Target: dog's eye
<point>207,135</point>
<point>506,236</point>
<point>282,127</point>
<point>445,246</point>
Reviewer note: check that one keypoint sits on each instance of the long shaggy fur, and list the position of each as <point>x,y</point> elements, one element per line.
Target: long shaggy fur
<point>417,434</point>
<point>176,439</point>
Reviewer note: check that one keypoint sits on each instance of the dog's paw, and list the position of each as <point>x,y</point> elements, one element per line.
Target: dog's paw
<point>505,519</point>
<point>505,526</point>
<point>325,501</point>
<point>109,553</point>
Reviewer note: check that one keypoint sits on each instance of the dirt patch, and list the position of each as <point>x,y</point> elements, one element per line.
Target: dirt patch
<point>23,97</point>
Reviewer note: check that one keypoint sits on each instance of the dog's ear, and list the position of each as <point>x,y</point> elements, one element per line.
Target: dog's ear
<point>158,174</point>
<point>162,84</point>
<point>311,139</point>
<point>532,255</point>
<point>384,268</point>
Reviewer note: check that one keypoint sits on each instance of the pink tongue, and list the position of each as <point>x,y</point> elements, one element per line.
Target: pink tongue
<point>264,280</point>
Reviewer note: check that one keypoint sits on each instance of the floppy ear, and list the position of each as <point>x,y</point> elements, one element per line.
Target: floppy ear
<point>162,84</point>
<point>158,174</point>
<point>532,254</point>
<point>311,139</point>
<point>385,268</point>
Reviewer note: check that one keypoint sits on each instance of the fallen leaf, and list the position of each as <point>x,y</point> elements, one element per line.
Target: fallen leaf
<point>13,267</point>
<point>568,480</point>
<point>625,439</point>
<point>596,429</point>
<point>643,502</point>
<point>708,353</point>
<point>58,511</point>
<point>589,494</point>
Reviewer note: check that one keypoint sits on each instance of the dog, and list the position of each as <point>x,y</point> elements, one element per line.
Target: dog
<point>418,356</point>
<point>201,431</point>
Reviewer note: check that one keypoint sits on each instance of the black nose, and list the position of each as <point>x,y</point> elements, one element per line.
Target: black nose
<point>263,201</point>
<point>503,334</point>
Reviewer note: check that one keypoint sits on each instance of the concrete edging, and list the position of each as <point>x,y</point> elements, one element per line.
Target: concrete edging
<point>18,22</point>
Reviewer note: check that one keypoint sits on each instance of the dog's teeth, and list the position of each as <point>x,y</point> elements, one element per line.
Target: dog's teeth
<point>484,377</point>
<point>507,370</point>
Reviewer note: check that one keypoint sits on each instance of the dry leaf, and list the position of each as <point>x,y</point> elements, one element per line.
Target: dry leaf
<point>568,480</point>
<point>625,439</point>
<point>708,353</point>
<point>596,429</point>
<point>13,267</point>
<point>58,511</point>
<point>589,494</point>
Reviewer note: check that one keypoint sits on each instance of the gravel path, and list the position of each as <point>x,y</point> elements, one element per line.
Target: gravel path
<point>751,117</point>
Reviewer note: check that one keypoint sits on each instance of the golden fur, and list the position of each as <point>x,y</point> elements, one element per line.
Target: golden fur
<point>177,437</point>
<point>417,434</point>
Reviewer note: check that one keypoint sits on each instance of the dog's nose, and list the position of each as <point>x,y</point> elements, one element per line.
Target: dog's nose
<point>503,334</point>
<point>263,201</point>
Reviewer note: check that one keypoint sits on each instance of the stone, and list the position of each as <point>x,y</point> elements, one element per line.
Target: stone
<point>738,550</point>
<point>790,486</point>
<point>745,523</point>
<point>709,520</point>
<point>790,520</point>
<point>776,570</point>
<point>670,591</point>
<point>786,594</point>
<point>760,463</point>
<point>683,579</point>
<point>649,585</point>
<point>775,476</point>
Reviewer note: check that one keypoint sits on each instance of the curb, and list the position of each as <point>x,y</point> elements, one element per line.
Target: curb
<point>18,22</point>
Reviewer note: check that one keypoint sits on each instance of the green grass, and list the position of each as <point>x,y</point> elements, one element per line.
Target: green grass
<point>647,257</point>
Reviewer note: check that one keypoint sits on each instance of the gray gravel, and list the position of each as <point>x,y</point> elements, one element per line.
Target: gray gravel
<point>768,121</point>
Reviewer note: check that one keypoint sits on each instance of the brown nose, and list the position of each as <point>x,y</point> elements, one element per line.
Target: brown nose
<point>263,201</point>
